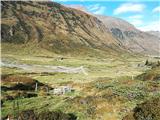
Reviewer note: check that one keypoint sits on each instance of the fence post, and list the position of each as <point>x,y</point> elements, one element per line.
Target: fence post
<point>36,87</point>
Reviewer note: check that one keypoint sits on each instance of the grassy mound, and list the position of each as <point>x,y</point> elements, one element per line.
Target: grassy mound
<point>14,82</point>
<point>150,75</point>
<point>47,115</point>
<point>149,110</point>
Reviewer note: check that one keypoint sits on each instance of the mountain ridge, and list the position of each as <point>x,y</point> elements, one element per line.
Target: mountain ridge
<point>62,29</point>
<point>130,38</point>
<point>54,27</point>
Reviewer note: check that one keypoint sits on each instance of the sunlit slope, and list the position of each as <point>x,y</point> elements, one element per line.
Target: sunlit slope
<point>53,27</point>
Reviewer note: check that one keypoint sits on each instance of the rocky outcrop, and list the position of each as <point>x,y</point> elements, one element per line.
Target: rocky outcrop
<point>155,33</point>
<point>130,37</point>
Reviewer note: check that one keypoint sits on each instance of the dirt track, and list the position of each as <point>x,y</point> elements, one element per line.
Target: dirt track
<point>45,68</point>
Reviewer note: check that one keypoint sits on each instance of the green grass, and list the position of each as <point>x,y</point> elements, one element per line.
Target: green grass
<point>107,76</point>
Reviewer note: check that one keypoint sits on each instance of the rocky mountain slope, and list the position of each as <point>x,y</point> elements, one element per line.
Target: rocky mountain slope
<point>53,27</point>
<point>156,33</point>
<point>130,37</point>
<point>61,29</point>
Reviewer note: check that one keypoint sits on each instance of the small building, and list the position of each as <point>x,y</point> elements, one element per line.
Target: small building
<point>61,90</point>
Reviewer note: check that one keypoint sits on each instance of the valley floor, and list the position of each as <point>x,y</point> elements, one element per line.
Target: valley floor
<point>109,88</point>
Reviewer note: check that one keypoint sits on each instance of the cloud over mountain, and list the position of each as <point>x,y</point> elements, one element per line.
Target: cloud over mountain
<point>129,7</point>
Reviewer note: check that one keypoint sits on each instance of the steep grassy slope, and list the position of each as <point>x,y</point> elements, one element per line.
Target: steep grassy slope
<point>53,27</point>
<point>128,35</point>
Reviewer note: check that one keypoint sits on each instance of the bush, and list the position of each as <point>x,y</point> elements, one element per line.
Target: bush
<point>46,115</point>
<point>148,110</point>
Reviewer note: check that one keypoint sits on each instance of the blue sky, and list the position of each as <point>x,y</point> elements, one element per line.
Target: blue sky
<point>144,14</point>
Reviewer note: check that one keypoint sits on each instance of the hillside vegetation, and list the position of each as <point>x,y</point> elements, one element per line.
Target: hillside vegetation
<point>59,63</point>
<point>53,27</point>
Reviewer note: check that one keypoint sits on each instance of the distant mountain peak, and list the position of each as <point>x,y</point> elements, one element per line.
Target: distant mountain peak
<point>130,37</point>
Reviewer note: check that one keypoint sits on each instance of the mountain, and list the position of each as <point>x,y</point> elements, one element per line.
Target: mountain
<point>53,27</point>
<point>155,33</point>
<point>62,29</point>
<point>130,37</point>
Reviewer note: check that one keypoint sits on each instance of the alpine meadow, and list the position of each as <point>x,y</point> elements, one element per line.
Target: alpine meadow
<point>80,60</point>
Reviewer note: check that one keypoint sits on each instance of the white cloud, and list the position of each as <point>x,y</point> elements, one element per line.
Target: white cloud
<point>153,26</point>
<point>101,10</point>
<point>157,9</point>
<point>97,9</point>
<point>93,7</point>
<point>129,7</point>
<point>136,17</point>
<point>136,22</point>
